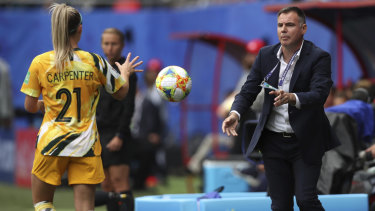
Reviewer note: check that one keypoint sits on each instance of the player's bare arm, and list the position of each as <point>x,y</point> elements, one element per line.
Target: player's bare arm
<point>126,69</point>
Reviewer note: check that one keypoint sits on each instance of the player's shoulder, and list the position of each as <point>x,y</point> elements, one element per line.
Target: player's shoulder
<point>85,54</point>
<point>89,57</point>
<point>49,55</point>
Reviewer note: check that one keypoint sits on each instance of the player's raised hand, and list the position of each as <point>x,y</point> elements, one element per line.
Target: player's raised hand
<point>128,67</point>
<point>229,125</point>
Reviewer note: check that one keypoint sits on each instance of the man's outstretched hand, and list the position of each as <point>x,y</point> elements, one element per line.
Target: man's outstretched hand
<point>230,124</point>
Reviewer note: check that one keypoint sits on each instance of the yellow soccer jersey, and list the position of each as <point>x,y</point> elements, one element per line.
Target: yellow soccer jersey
<point>70,100</point>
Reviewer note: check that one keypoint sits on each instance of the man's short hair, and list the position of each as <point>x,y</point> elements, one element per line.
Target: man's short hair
<point>361,94</point>
<point>300,13</point>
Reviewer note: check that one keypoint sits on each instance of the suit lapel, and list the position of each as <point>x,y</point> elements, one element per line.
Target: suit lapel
<point>274,79</point>
<point>299,65</point>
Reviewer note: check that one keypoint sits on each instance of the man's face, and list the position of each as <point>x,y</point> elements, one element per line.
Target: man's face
<point>289,29</point>
<point>112,46</point>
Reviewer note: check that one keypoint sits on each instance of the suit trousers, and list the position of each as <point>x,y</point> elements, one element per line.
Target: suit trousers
<point>287,174</point>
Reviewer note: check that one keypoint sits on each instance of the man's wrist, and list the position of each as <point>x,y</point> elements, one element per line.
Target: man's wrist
<point>235,114</point>
<point>297,103</point>
<point>293,99</point>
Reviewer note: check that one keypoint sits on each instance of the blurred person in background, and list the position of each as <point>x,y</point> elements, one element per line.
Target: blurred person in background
<point>340,97</point>
<point>353,122</point>
<point>69,79</point>
<point>253,47</point>
<point>150,129</point>
<point>6,104</point>
<point>368,85</point>
<point>359,108</point>
<point>336,97</point>
<point>113,118</point>
<point>234,144</point>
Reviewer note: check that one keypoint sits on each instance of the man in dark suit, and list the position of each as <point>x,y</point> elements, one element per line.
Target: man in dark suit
<point>293,131</point>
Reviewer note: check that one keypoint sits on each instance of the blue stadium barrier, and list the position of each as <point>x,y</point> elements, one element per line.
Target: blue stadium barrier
<point>225,172</point>
<point>342,202</point>
<point>242,202</point>
<point>345,202</point>
<point>182,202</point>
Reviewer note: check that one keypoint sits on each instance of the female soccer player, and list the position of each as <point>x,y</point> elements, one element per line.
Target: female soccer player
<point>69,80</point>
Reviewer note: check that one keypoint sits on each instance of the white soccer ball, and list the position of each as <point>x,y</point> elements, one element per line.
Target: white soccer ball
<point>173,83</point>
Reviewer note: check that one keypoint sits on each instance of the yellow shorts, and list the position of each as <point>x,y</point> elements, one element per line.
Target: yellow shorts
<point>80,170</point>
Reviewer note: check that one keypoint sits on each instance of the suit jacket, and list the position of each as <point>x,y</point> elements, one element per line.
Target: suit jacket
<point>311,81</point>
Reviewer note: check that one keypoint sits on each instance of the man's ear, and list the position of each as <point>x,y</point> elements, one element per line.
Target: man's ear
<point>304,28</point>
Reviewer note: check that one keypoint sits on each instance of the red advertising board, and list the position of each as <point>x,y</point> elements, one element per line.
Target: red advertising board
<point>25,148</point>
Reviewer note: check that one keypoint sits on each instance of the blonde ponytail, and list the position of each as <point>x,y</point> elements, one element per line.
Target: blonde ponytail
<point>64,22</point>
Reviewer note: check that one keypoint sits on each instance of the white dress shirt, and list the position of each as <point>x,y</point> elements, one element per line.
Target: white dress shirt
<point>279,116</point>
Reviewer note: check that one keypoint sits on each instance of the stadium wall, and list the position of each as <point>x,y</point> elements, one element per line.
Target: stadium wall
<point>25,33</point>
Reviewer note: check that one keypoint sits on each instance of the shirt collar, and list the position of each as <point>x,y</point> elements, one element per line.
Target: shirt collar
<point>279,52</point>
